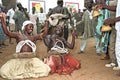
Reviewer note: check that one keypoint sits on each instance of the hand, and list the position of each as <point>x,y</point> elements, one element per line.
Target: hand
<point>74,33</point>
<point>1,15</point>
<point>109,21</point>
<point>97,7</point>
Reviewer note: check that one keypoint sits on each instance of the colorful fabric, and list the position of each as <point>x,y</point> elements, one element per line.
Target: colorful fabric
<point>62,64</point>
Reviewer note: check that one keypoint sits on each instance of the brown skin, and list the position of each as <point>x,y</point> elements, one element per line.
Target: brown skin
<point>50,40</point>
<point>26,35</point>
<point>110,20</point>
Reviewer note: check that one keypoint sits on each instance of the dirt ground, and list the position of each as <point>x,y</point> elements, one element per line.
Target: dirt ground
<point>92,68</point>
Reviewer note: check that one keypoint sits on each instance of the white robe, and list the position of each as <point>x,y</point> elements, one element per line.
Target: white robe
<point>117,26</point>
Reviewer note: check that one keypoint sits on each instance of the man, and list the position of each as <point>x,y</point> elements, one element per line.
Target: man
<point>89,26</point>
<point>57,47</point>
<point>2,34</point>
<point>26,34</point>
<point>11,22</point>
<point>20,16</point>
<point>33,19</point>
<point>113,61</point>
<point>50,40</point>
<point>115,20</point>
<point>24,66</point>
<point>41,19</point>
<point>59,9</point>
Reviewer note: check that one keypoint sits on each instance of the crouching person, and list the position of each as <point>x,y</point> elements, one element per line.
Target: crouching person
<point>25,64</point>
<point>59,58</point>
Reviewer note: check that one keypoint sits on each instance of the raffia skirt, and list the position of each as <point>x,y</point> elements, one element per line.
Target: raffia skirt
<point>19,68</point>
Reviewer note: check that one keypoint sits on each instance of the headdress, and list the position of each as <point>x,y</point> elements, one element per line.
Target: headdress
<point>26,23</point>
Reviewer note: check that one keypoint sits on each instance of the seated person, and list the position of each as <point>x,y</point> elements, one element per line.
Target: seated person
<point>19,68</point>
<point>59,58</point>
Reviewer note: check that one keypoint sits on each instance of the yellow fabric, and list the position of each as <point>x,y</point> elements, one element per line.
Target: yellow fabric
<point>24,68</point>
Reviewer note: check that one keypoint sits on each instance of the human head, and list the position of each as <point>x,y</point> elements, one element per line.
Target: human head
<point>26,25</point>
<point>59,30</point>
<point>60,2</point>
<point>41,9</point>
<point>19,5</point>
<point>88,5</point>
<point>33,10</point>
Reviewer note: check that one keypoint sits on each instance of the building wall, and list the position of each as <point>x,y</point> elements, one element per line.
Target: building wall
<point>50,3</point>
<point>0,1</point>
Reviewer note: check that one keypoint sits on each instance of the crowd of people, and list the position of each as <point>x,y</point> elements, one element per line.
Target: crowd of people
<point>54,29</point>
<point>25,63</point>
<point>106,30</point>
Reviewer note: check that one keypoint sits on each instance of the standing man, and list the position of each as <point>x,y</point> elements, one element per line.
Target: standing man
<point>20,16</point>
<point>115,20</point>
<point>2,34</point>
<point>41,20</point>
<point>59,9</point>
<point>113,61</point>
<point>11,22</point>
<point>89,26</point>
<point>33,18</point>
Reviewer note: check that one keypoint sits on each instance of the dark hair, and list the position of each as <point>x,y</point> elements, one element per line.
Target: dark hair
<point>60,3</point>
<point>33,10</point>
<point>19,4</point>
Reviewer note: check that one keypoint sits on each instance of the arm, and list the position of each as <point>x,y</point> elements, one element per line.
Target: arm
<point>8,33</point>
<point>111,20</point>
<point>26,14</point>
<point>72,44</point>
<point>43,35</point>
<point>111,8</point>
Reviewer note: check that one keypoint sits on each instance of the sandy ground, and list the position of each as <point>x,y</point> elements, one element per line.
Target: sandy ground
<point>92,68</point>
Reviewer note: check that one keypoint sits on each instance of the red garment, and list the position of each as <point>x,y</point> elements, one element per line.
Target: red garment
<point>62,64</point>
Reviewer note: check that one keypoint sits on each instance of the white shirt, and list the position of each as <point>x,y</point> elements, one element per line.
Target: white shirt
<point>117,25</point>
<point>11,13</point>
<point>33,18</point>
<point>41,17</point>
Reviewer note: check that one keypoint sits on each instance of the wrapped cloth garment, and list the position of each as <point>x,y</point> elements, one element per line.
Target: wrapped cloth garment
<point>60,61</point>
<point>24,68</point>
<point>62,64</point>
<point>23,42</point>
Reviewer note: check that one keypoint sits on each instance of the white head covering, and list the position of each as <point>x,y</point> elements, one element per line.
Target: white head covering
<point>26,23</point>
